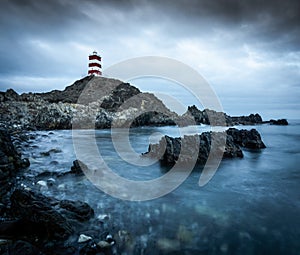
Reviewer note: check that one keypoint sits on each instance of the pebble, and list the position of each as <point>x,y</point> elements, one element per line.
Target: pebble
<point>83,238</point>
<point>103,217</point>
<point>43,185</point>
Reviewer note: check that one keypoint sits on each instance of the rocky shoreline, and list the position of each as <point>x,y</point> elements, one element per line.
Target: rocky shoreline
<point>33,223</point>
<point>98,102</point>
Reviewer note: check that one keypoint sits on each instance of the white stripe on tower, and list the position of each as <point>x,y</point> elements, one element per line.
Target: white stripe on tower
<point>95,64</point>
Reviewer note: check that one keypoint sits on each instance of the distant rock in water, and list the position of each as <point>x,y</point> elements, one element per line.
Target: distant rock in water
<point>211,117</point>
<point>245,138</point>
<point>196,148</point>
<point>280,122</point>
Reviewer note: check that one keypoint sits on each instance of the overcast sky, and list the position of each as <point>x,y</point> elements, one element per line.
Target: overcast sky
<point>247,50</point>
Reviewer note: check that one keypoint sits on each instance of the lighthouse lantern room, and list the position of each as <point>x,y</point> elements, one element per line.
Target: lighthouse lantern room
<point>95,64</point>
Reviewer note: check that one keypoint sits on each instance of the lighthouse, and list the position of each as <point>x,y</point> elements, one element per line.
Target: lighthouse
<point>95,64</point>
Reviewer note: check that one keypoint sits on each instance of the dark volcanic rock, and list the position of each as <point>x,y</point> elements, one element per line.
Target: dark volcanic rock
<point>153,118</point>
<point>208,117</point>
<point>50,218</point>
<point>211,117</point>
<point>245,138</point>
<point>43,222</point>
<point>10,162</point>
<point>196,148</point>
<point>281,122</point>
<point>77,210</point>
<point>69,95</point>
<point>38,210</point>
<point>118,96</point>
<point>92,102</point>
<point>252,119</point>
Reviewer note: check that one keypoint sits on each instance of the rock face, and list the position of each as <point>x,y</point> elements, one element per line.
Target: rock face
<point>92,102</point>
<point>210,117</point>
<point>10,162</point>
<point>248,139</point>
<point>183,150</point>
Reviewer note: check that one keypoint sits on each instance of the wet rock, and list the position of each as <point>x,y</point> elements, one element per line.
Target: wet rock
<point>246,138</point>
<point>251,119</point>
<point>78,210</point>
<point>10,163</point>
<point>48,153</point>
<point>197,148</point>
<point>39,211</point>
<point>211,117</point>
<point>194,148</point>
<point>280,122</point>
<point>78,167</point>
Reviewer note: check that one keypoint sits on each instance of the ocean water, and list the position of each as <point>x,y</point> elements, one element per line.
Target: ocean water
<point>250,206</point>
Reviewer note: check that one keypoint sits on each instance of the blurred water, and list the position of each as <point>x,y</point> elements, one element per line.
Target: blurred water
<point>251,205</point>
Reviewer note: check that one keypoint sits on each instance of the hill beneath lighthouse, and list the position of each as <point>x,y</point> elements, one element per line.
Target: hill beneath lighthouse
<point>88,103</point>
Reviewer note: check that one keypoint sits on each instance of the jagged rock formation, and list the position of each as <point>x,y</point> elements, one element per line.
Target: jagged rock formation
<point>171,150</point>
<point>99,102</point>
<point>211,117</point>
<point>246,138</point>
<point>90,102</point>
<point>221,119</point>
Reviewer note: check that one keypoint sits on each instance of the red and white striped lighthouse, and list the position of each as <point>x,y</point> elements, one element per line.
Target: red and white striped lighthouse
<point>95,64</point>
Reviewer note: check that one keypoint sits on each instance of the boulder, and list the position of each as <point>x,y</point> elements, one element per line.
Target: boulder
<point>197,148</point>
<point>246,138</point>
<point>36,210</point>
<point>194,148</point>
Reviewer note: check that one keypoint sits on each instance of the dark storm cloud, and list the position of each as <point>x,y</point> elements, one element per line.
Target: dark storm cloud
<point>29,25</point>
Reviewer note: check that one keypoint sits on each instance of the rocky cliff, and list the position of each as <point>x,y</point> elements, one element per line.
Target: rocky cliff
<point>90,102</point>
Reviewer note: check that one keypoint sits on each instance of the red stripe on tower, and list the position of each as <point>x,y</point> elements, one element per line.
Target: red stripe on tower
<point>95,64</point>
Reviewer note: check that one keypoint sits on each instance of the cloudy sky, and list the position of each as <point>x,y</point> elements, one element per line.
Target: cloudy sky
<point>247,50</point>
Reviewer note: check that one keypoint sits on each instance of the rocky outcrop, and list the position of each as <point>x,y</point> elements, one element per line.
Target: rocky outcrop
<point>171,150</point>
<point>10,163</point>
<point>38,219</point>
<point>245,138</point>
<point>280,122</point>
<point>211,117</point>
<point>92,102</point>
<point>99,102</point>
<point>251,119</point>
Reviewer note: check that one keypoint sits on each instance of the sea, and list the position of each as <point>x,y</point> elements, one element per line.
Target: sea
<point>250,205</point>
